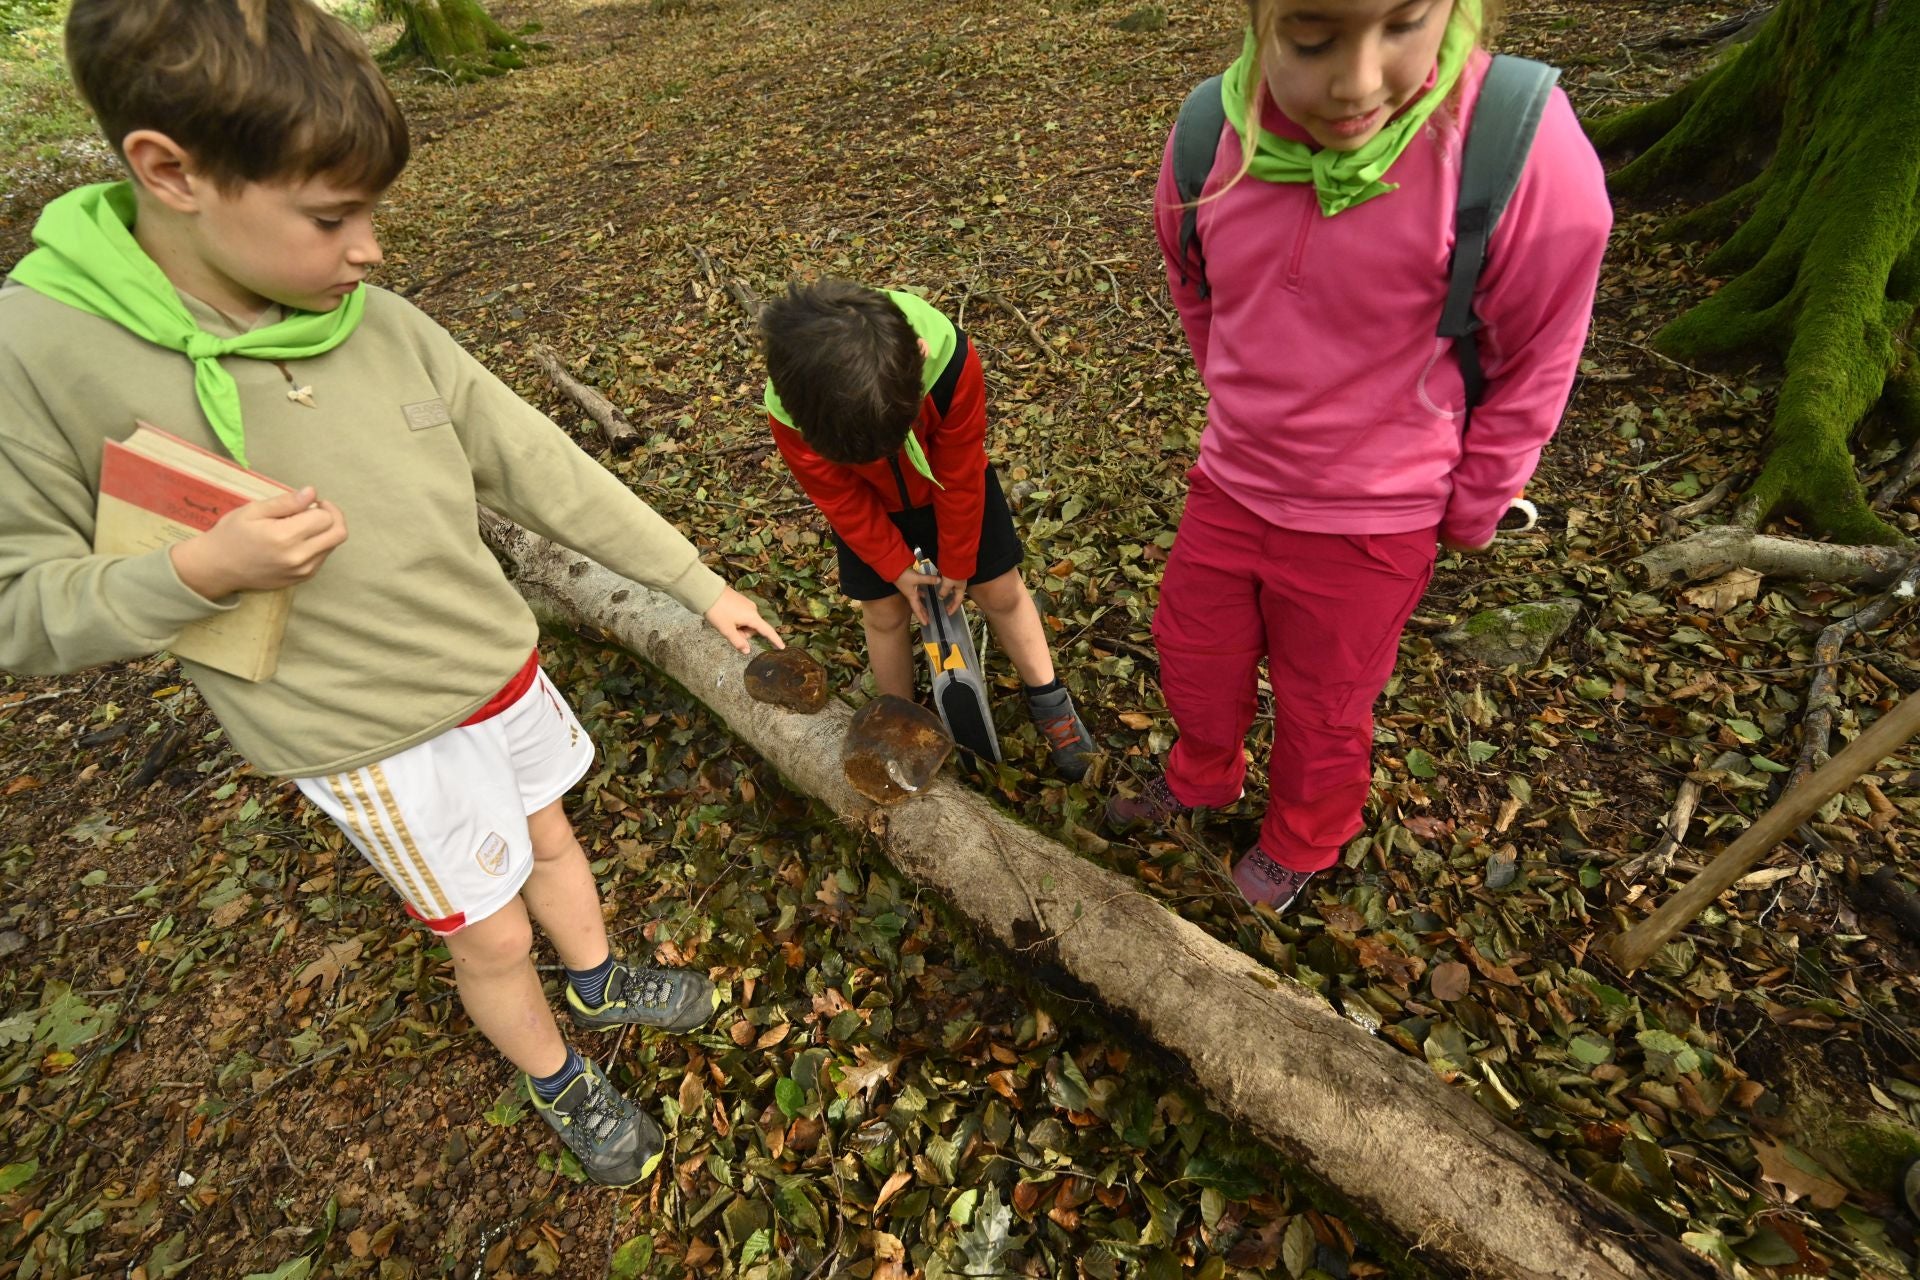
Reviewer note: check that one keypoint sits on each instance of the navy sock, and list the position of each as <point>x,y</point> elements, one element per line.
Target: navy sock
<point>550,1087</point>
<point>591,984</point>
<point>1042,690</point>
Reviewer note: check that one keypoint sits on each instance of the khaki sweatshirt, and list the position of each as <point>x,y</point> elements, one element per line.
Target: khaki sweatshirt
<point>410,624</point>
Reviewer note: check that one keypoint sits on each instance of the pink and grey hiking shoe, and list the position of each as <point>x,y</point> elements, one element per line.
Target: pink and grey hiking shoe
<point>1265,883</point>
<point>1155,806</point>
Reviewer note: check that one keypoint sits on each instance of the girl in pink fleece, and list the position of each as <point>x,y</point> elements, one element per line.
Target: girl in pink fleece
<point>1336,455</point>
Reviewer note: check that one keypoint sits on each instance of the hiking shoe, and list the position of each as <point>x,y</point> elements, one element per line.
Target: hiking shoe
<point>670,999</point>
<point>1156,805</point>
<point>613,1140</point>
<point>1067,738</point>
<point>1266,883</point>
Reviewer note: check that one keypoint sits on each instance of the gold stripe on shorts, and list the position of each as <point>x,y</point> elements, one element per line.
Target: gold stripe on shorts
<point>375,846</point>
<point>432,907</point>
<point>406,837</point>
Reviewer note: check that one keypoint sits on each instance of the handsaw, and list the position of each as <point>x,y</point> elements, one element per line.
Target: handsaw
<point>959,685</point>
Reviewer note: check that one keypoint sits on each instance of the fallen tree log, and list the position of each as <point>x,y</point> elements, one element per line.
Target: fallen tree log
<point>1712,552</point>
<point>1461,1191</point>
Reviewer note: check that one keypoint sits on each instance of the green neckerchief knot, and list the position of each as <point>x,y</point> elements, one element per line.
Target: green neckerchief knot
<point>86,257</point>
<point>1342,179</point>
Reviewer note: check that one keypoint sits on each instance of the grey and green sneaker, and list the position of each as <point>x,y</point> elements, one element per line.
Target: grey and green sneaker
<point>670,999</point>
<point>613,1140</point>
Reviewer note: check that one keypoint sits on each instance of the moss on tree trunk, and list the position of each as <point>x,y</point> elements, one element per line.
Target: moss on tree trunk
<point>457,36</point>
<point>1810,134</point>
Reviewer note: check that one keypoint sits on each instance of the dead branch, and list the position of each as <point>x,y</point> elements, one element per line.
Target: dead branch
<point>619,432</point>
<point>1674,830</point>
<point>1901,481</point>
<point>741,292</point>
<point>1714,551</point>
<point>1816,726</point>
<point>1033,330</point>
<point>1670,522</point>
<point>1881,739</point>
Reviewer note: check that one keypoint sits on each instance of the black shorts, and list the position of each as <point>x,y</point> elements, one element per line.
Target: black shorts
<point>1000,547</point>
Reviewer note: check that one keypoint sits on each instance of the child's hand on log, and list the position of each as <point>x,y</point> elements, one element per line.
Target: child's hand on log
<point>736,617</point>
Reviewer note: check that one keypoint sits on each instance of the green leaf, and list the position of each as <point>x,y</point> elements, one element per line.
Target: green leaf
<point>1746,730</point>
<point>790,1096</point>
<point>1421,765</point>
<point>1765,765</point>
<point>96,876</point>
<point>16,1175</point>
<point>960,1212</point>
<point>1296,1248</point>
<point>1481,752</point>
<point>758,1246</point>
<point>632,1259</point>
<point>296,1269</point>
<point>1661,1042</point>
<point>1590,1049</point>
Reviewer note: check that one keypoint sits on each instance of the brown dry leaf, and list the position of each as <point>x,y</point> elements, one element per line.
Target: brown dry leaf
<point>331,964</point>
<point>1136,720</point>
<point>1798,1176</point>
<point>867,1074</point>
<point>1734,587</point>
<point>1449,981</point>
<point>693,1092</point>
<point>1389,962</point>
<point>895,1185</point>
<point>228,914</point>
<point>742,1033</point>
<point>774,1035</point>
<point>887,1247</point>
<point>25,782</point>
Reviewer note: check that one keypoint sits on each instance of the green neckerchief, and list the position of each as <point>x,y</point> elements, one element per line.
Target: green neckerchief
<point>941,338</point>
<point>87,258</point>
<point>1342,179</point>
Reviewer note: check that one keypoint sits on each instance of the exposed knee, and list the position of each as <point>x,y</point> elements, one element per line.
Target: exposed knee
<point>886,616</point>
<point>1000,595</point>
<point>498,944</point>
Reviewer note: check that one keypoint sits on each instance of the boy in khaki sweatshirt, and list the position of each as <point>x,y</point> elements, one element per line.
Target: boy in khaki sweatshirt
<point>220,294</point>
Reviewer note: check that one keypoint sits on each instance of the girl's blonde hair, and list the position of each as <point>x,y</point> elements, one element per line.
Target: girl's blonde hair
<point>1263,16</point>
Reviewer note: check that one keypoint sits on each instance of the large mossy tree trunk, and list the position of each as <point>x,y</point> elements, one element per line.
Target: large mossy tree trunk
<point>1804,146</point>
<point>456,36</point>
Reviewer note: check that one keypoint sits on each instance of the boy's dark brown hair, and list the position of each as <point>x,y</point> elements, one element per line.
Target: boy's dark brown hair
<point>253,90</point>
<point>846,364</point>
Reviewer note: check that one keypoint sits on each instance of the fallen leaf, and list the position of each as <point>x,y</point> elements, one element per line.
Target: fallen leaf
<point>1798,1176</point>
<point>328,968</point>
<point>894,1186</point>
<point>1449,981</point>
<point>1735,587</point>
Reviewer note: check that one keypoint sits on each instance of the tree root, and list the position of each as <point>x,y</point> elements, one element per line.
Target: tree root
<point>1670,522</point>
<point>1712,552</point>
<point>1816,726</point>
<point>1901,481</point>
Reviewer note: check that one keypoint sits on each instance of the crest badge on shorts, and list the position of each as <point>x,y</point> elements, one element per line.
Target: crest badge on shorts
<point>492,854</point>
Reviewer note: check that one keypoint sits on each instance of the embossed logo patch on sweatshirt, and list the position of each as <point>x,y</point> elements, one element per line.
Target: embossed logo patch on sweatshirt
<point>427,413</point>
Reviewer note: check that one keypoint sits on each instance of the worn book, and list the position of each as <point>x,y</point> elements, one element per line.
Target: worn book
<point>156,490</point>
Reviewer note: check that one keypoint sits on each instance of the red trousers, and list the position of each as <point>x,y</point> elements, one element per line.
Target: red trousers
<point>1325,610</point>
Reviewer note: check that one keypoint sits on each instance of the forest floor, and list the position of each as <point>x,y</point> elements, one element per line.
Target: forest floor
<point>224,1051</point>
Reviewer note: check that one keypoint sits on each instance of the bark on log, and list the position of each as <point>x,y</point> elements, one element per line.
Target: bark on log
<point>1714,551</point>
<point>1427,1164</point>
<point>621,436</point>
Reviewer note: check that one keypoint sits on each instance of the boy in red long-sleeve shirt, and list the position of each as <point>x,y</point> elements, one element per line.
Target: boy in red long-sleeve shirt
<point>879,407</point>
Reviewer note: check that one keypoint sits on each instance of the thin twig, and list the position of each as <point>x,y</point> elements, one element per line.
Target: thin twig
<point>1816,726</point>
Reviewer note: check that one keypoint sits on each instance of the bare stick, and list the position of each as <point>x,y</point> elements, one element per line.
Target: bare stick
<point>613,424</point>
<point>1670,522</point>
<point>1902,480</point>
<point>741,292</point>
<point>1714,551</point>
<point>1817,724</point>
<point>1881,739</point>
<point>1672,832</point>
<point>1033,330</point>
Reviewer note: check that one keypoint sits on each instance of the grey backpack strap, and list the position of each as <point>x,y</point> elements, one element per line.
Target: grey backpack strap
<point>1505,119</point>
<point>1196,140</point>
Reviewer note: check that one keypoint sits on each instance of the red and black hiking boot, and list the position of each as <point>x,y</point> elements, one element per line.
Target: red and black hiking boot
<point>1155,806</point>
<point>1265,883</point>
<point>1067,738</point>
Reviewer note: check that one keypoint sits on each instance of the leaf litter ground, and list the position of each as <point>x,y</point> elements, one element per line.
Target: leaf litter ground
<point>223,1052</point>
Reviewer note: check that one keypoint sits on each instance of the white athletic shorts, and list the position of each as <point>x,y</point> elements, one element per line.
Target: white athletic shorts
<point>445,821</point>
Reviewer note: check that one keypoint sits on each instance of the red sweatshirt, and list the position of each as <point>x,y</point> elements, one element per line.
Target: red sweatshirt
<point>952,430</point>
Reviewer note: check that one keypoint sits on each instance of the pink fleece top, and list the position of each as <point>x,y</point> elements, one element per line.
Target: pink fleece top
<point>1335,407</point>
